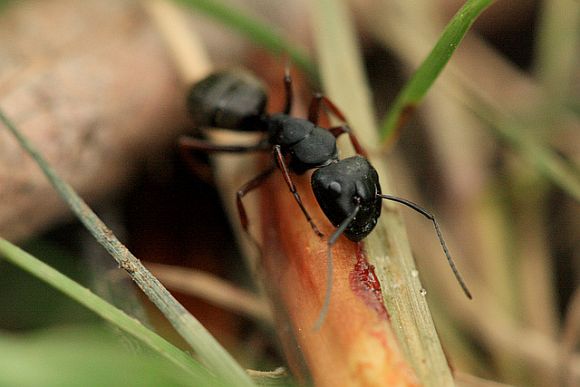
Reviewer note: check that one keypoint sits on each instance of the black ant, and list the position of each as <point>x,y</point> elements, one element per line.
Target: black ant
<point>347,190</point>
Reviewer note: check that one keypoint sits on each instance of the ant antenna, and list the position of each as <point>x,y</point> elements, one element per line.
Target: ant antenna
<point>430,216</point>
<point>329,267</point>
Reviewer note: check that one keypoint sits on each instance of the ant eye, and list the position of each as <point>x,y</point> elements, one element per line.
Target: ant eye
<point>335,187</point>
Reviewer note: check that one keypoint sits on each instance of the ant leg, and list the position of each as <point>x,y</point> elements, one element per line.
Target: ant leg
<point>431,217</point>
<point>187,143</point>
<point>282,165</point>
<point>188,146</point>
<point>288,90</point>
<point>314,108</point>
<point>329,266</point>
<point>318,101</point>
<point>244,190</point>
<point>338,130</point>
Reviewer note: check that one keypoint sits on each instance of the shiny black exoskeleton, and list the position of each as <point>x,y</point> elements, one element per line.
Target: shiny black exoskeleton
<point>229,100</point>
<point>341,187</point>
<point>347,190</point>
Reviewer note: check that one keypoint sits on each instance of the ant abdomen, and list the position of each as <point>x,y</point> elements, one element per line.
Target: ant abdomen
<point>228,100</point>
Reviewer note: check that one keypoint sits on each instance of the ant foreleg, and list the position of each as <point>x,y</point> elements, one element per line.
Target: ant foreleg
<point>431,217</point>
<point>282,166</point>
<point>329,266</point>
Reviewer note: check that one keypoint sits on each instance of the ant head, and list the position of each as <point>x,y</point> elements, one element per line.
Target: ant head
<point>341,186</point>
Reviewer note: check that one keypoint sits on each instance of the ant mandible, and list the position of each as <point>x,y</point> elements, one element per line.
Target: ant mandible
<point>347,190</point>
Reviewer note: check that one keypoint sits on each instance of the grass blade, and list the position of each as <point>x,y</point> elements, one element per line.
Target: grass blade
<point>260,33</point>
<point>558,48</point>
<point>210,352</point>
<point>416,88</point>
<point>117,317</point>
<point>87,355</point>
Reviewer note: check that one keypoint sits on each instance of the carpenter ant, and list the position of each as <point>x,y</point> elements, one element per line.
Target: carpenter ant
<point>347,190</point>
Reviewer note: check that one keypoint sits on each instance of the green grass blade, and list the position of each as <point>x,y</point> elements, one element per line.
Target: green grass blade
<point>88,356</point>
<point>115,316</point>
<point>210,352</point>
<point>260,33</point>
<point>416,88</point>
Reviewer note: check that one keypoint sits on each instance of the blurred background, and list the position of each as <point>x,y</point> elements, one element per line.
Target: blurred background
<point>493,151</point>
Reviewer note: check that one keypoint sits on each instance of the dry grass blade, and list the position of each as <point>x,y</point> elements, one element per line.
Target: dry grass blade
<point>558,48</point>
<point>212,289</point>
<point>467,380</point>
<point>570,339</point>
<point>277,377</point>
